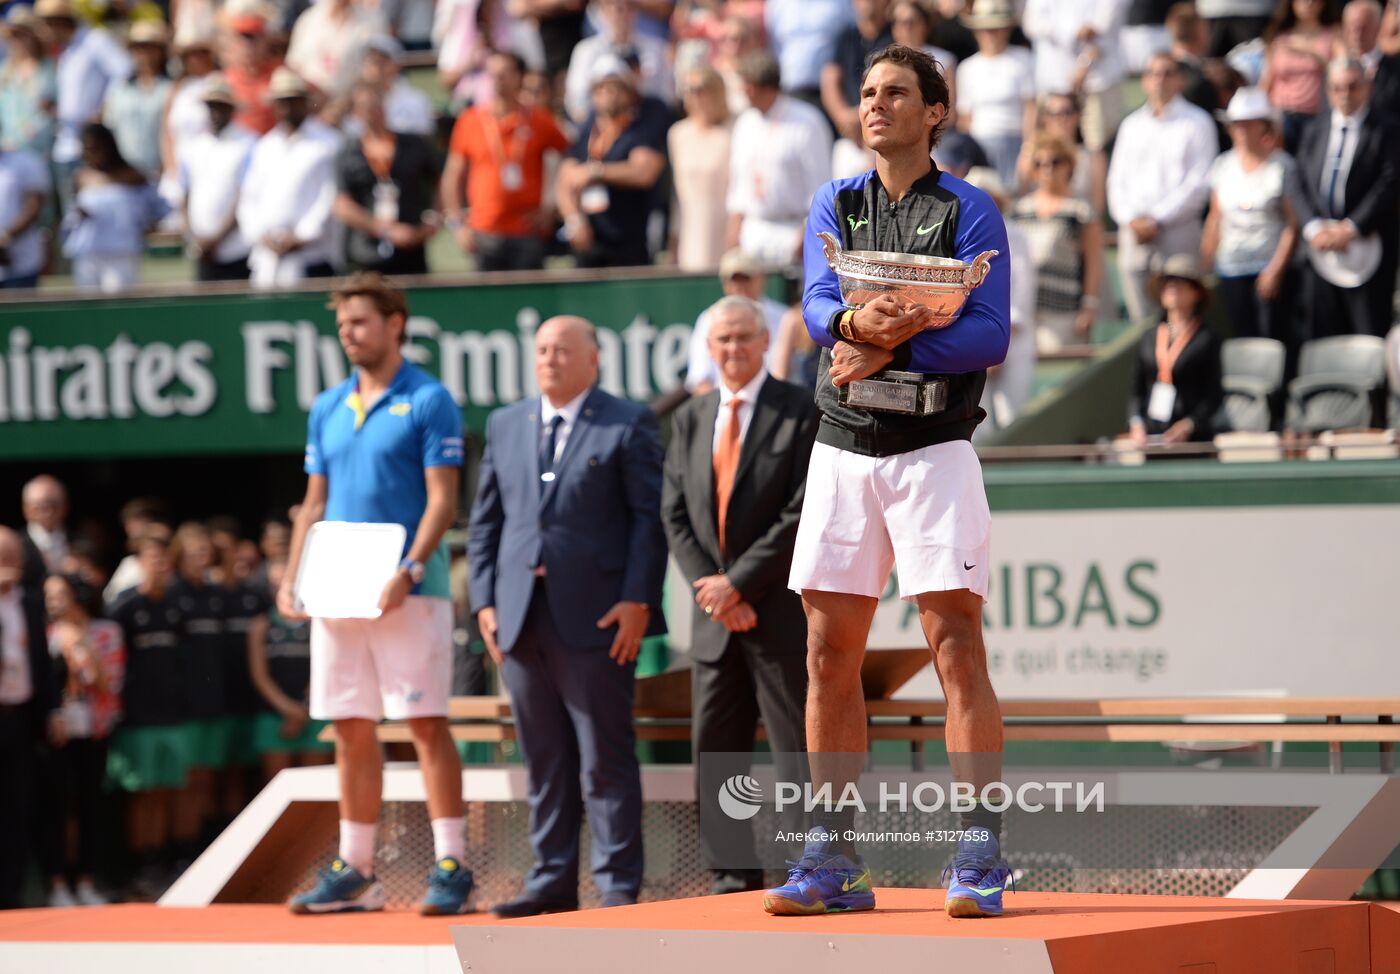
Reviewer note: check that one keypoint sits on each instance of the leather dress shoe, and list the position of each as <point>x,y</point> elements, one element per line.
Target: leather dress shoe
<point>530,906</point>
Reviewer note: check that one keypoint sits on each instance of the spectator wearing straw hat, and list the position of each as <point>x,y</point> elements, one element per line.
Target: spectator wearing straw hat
<point>998,84</point>
<point>210,177</point>
<point>1176,388</point>
<point>284,210</point>
<point>89,61</point>
<point>1251,231</point>
<point>28,89</point>
<point>187,115</point>
<point>135,106</point>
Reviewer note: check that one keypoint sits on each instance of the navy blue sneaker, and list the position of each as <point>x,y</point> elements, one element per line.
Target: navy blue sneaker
<point>977,877</point>
<point>821,882</point>
<point>449,889</point>
<point>341,889</point>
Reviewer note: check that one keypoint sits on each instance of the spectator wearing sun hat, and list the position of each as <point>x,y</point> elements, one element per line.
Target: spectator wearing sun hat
<point>284,209</point>
<point>187,115</point>
<point>1251,232</point>
<point>211,177</point>
<point>89,61</point>
<point>28,88</point>
<point>135,106</point>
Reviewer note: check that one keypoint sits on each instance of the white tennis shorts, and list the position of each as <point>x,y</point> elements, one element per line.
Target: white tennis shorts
<point>395,667</point>
<point>924,513</point>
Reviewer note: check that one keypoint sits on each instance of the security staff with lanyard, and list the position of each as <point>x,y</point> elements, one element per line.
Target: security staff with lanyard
<point>893,489</point>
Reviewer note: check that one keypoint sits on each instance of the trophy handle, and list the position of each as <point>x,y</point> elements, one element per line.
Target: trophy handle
<point>981,266</point>
<point>831,247</point>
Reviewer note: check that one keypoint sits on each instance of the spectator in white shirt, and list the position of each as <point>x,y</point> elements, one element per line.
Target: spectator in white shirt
<point>998,86</point>
<point>211,175</point>
<point>781,156</point>
<point>802,34</point>
<point>1076,50</point>
<point>89,61</point>
<point>408,109</point>
<point>740,275</point>
<point>328,42</point>
<point>186,115</point>
<point>1159,180</point>
<point>619,34</point>
<point>24,183</point>
<point>284,209</point>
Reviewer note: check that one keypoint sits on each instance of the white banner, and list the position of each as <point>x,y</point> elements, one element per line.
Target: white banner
<point>1188,601</point>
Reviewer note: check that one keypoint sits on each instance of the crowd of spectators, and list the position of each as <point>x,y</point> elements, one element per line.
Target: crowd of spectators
<point>160,694</point>
<point>283,140</point>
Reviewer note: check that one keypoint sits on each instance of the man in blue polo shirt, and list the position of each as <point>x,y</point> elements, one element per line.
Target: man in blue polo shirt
<point>385,446</point>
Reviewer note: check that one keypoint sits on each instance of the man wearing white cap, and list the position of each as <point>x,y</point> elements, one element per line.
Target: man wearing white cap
<point>618,34</point>
<point>1252,228</point>
<point>605,188</point>
<point>211,173</point>
<point>742,276</point>
<point>408,110</point>
<point>284,210</point>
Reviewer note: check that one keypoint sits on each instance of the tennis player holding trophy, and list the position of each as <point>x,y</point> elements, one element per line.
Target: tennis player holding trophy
<point>908,290</point>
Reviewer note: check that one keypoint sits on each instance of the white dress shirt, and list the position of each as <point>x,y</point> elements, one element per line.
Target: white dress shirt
<point>1341,150</point>
<point>779,160</point>
<point>290,186</point>
<point>748,395</point>
<point>701,365</point>
<point>93,60</point>
<point>188,116</point>
<point>1161,164</point>
<point>1054,26</point>
<point>570,411</point>
<point>16,682</point>
<point>212,170</point>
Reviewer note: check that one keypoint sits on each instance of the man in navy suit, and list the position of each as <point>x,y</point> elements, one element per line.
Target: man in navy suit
<point>567,558</point>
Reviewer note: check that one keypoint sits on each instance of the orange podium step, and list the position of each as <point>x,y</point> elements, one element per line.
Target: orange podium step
<point>1041,933</point>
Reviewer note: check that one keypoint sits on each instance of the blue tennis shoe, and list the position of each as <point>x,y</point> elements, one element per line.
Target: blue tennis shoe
<point>341,889</point>
<point>977,877</point>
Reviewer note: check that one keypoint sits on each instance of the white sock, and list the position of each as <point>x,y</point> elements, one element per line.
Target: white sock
<point>449,838</point>
<point>357,845</point>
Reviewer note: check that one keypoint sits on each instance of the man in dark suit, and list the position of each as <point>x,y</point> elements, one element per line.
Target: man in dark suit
<point>1349,165</point>
<point>28,709</point>
<point>567,558</point>
<point>736,472</point>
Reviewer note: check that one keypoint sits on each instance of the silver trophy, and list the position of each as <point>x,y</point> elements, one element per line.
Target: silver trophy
<point>938,283</point>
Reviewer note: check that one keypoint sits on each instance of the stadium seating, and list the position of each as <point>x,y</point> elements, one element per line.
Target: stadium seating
<point>1339,380</point>
<point>1252,375</point>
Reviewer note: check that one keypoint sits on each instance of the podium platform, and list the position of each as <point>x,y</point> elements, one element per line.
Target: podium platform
<point>1042,933</point>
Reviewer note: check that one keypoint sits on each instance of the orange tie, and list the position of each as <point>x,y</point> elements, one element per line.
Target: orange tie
<point>726,464</point>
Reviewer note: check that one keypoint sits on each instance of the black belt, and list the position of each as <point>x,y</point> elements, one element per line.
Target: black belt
<point>891,391</point>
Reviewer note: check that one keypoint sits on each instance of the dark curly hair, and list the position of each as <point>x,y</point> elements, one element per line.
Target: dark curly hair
<point>933,86</point>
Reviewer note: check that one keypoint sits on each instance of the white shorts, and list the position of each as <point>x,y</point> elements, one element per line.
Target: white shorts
<point>397,666</point>
<point>923,513</point>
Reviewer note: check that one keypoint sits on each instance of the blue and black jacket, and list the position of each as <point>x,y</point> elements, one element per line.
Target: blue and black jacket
<point>940,216</point>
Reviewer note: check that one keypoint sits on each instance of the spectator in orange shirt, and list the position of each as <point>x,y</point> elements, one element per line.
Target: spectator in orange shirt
<point>500,150</point>
<point>250,63</point>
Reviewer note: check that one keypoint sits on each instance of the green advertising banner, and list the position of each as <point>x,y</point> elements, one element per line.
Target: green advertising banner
<point>229,374</point>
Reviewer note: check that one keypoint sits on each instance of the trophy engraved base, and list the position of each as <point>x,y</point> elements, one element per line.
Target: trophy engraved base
<point>891,391</point>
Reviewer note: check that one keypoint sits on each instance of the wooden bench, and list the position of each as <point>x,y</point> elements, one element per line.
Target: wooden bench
<point>663,715</point>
